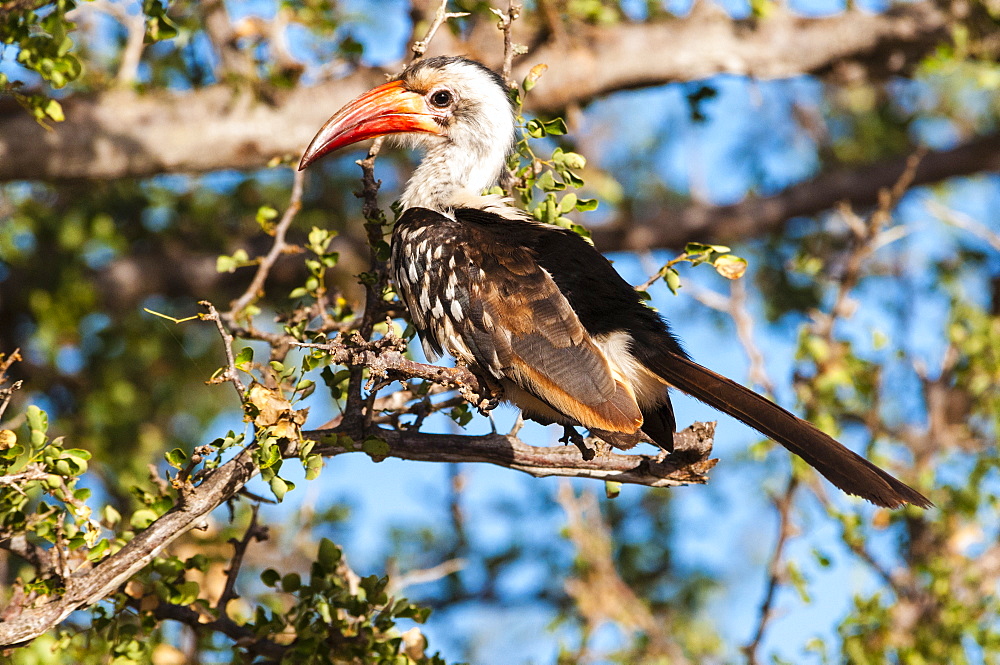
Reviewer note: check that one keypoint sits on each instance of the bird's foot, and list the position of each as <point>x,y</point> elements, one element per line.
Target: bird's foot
<point>570,435</point>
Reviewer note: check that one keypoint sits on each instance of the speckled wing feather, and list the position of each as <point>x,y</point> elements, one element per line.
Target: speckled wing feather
<point>486,301</point>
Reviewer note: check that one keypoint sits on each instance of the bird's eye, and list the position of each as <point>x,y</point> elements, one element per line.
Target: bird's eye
<point>441,98</point>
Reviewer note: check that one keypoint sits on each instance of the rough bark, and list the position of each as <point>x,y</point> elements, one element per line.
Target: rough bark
<point>123,133</point>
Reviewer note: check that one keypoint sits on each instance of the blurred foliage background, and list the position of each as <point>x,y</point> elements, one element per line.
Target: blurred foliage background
<point>861,186</point>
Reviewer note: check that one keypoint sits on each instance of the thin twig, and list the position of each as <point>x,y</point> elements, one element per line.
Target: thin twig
<point>256,288</point>
<point>400,581</point>
<point>243,635</point>
<point>6,394</point>
<point>30,473</point>
<point>440,17</point>
<point>254,532</point>
<point>374,218</point>
<point>36,555</point>
<point>783,504</point>
<point>735,305</point>
<point>744,331</point>
<point>134,23</point>
<point>965,222</point>
<point>506,25</point>
<point>385,362</point>
<point>231,374</point>
<point>866,234</point>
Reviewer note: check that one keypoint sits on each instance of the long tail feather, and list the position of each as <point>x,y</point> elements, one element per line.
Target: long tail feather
<point>840,465</point>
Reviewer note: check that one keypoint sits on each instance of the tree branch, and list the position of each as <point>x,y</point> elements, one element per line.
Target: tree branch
<point>509,451</point>
<point>256,288</point>
<point>114,134</point>
<point>709,42</point>
<point>775,569</point>
<point>221,484</point>
<point>753,217</point>
<point>238,633</point>
<point>104,578</point>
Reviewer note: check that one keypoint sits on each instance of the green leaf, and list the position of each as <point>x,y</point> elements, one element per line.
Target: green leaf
<point>265,215</point>
<point>270,577</point>
<point>319,239</point>
<point>329,554</point>
<point>697,248</point>
<point>573,160</point>
<point>75,460</point>
<point>98,551</point>
<point>38,420</point>
<point>54,110</point>
<point>572,179</point>
<point>461,414</point>
<point>535,129</point>
<point>533,75</point>
<point>158,26</point>
<point>239,259</point>
<point>672,279</point>
<point>556,127</point>
<point>314,465</point>
<point>142,518</point>
<point>268,455</point>
<point>612,489</point>
<point>730,266</point>
<point>568,203</point>
<point>376,448</point>
<point>291,582</point>
<point>176,458</point>
<point>279,487</point>
<point>110,516</point>
<point>186,593</point>
<point>244,358</point>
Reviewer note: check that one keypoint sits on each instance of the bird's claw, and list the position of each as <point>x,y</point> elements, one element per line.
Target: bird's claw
<point>570,435</point>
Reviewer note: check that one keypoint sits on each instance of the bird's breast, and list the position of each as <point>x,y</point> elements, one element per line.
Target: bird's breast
<point>431,272</point>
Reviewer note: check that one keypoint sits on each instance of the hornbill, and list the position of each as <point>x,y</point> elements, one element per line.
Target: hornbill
<point>535,308</point>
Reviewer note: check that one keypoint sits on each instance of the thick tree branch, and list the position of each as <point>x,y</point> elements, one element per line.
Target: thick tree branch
<point>753,217</point>
<point>509,451</point>
<point>123,133</point>
<point>708,42</point>
<point>174,271</point>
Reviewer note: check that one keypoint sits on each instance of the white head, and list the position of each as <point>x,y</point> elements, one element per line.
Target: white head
<point>455,109</point>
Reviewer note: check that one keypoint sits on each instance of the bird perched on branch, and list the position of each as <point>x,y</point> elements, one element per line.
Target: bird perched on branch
<point>534,308</point>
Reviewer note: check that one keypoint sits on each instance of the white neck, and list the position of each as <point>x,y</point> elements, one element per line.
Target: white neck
<point>452,173</point>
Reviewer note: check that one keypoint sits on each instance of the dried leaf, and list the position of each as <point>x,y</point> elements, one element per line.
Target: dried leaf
<point>276,412</point>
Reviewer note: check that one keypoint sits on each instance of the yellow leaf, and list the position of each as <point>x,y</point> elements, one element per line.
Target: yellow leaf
<point>730,266</point>
<point>533,75</point>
